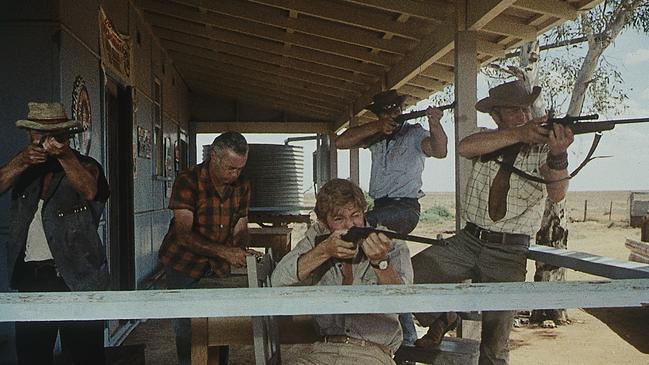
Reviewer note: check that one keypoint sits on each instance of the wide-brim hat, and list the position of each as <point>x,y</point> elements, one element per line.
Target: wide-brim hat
<point>47,117</point>
<point>385,101</point>
<point>513,93</point>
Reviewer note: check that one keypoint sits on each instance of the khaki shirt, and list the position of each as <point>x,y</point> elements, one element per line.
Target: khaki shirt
<point>383,329</point>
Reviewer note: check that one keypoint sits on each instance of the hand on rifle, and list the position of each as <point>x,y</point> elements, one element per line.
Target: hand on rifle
<point>236,256</point>
<point>336,247</point>
<point>560,138</point>
<point>55,148</point>
<point>33,154</point>
<point>434,115</point>
<point>532,132</point>
<point>376,246</point>
<point>387,125</point>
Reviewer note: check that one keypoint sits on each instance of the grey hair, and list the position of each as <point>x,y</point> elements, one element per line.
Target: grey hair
<point>233,141</point>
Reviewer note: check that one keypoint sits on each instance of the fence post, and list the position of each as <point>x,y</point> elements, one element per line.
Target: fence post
<point>585,209</point>
<point>610,211</point>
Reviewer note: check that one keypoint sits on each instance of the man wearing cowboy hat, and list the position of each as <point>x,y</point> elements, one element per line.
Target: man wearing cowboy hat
<point>503,210</point>
<point>397,166</point>
<point>57,199</point>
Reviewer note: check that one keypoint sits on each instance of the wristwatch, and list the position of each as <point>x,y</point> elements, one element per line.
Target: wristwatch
<point>382,264</point>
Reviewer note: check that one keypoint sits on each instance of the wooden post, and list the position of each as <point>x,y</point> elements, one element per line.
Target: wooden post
<point>644,229</point>
<point>333,155</point>
<point>354,168</point>
<point>466,91</point>
<point>585,209</point>
<point>610,211</point>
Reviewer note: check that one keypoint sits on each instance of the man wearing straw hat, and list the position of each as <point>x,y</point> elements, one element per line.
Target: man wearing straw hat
<point>57,199</point>
<point>503,206</point>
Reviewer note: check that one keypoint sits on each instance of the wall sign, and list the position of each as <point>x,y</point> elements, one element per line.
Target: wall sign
<point>81,111</point>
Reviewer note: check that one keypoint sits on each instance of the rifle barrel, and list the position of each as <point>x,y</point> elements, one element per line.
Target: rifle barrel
<point>421,113</point>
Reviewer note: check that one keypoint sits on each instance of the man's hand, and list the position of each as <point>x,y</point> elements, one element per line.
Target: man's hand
<point>387,125</point>
<point>434,115</point>
<point>376,246</point>
<point>236,256</point>
<point>532,132</point>
<point>33,155</point>
<point>55,148</point>
<point>336,247</point>
<point>560,138</point>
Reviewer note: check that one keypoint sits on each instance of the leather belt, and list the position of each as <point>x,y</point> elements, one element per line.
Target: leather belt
<point>356,342</point>
<point>497,237</point>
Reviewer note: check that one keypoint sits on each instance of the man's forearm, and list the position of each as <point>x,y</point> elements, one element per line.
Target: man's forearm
<point>354,137</point>
<point>558,188</point>
<point>310,261</point>
<point>9,173</point>
<point>436,144</point>
<point>200,245</point>
<point>82,180</point>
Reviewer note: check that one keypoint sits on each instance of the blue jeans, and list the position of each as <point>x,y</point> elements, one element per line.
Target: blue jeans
<point>183,326</point>
<point>397,214</point>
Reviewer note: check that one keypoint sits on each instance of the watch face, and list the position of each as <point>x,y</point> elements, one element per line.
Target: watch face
<point>383,264</point>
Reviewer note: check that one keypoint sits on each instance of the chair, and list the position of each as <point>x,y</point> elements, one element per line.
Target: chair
<point>265,330</point>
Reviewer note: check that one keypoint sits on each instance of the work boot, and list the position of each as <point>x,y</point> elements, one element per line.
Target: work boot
<point>437,330</point>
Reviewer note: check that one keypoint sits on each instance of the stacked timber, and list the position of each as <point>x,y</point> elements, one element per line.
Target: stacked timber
<point>639,250</point>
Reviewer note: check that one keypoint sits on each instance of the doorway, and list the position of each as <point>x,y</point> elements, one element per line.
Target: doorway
<point>119,140</point>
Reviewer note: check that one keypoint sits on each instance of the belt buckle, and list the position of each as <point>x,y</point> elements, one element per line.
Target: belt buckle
<point>347,340</point>
<point>480,232</point>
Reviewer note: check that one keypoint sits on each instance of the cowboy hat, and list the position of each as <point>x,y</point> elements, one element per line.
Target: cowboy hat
<point>511,93</point>
<point>385,101</point>
<point>47,117</point>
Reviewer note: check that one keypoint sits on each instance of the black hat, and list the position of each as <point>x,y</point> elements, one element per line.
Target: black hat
<point>385,101</point>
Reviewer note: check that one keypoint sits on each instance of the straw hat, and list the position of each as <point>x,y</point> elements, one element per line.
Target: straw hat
<point>385,101</point>
<point>47,117</point>
<point>513,93</point>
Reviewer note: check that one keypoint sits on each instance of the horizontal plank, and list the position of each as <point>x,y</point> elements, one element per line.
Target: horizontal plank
<point>320,300</point>
<point>589,263</point>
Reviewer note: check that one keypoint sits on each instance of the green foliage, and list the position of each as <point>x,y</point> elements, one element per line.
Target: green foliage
<point>559,68</point>
<point>435,214</point>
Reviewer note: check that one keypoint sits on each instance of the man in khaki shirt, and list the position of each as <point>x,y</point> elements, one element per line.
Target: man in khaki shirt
<point>503,207</point>
<point>347,339</point>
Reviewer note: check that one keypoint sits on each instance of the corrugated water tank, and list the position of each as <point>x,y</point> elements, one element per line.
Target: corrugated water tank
<point>276,173</point>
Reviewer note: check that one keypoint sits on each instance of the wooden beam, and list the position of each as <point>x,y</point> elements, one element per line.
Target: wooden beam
<point>510,27</point>
<point>270,101</point>
<point>491,49</point>
<point>345,89</point>
<point>349,15</point>
<point>556,8</point>
<point>439,72</point>
<point>589,263</point>
<point>435,10</point>
<point>278,18</point>
<point>332,98</point>
<point>343,299</point>
<point>426,83</point>
<point>231,30</point>
<point>481,12</point>
<point>417,92</point>
<point>257,48</point>
<point>263,127</point>
<point>287,63</point>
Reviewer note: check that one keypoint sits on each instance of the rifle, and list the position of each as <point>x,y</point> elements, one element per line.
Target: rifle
<point>61,135</point>
<point>576,127</point>
<point>357,234</point>
<point>380,136</point>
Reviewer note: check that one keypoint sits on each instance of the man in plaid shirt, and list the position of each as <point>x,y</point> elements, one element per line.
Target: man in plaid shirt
<point>209,230</point>
<point>503,210</point>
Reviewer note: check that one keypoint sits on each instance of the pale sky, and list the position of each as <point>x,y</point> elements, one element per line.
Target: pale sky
<point>628,145</point>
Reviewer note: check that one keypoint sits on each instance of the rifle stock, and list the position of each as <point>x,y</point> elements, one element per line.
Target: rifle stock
<point>377,137</point>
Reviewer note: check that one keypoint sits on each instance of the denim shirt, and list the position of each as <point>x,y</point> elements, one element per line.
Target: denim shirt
<point>70,224</point>
<point>383,329</point>
<point>397,164</point>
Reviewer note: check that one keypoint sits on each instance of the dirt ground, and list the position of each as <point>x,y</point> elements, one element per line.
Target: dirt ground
<point>602,336</point>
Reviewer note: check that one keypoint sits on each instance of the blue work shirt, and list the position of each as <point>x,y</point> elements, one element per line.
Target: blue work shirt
<point>397,164</point>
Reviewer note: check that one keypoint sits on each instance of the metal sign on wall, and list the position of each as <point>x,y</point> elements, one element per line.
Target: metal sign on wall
<point>115,48</point>
<point>81,111</point>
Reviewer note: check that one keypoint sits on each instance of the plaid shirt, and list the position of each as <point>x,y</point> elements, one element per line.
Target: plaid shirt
<point>525,199</point>
<point>214,219</point>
